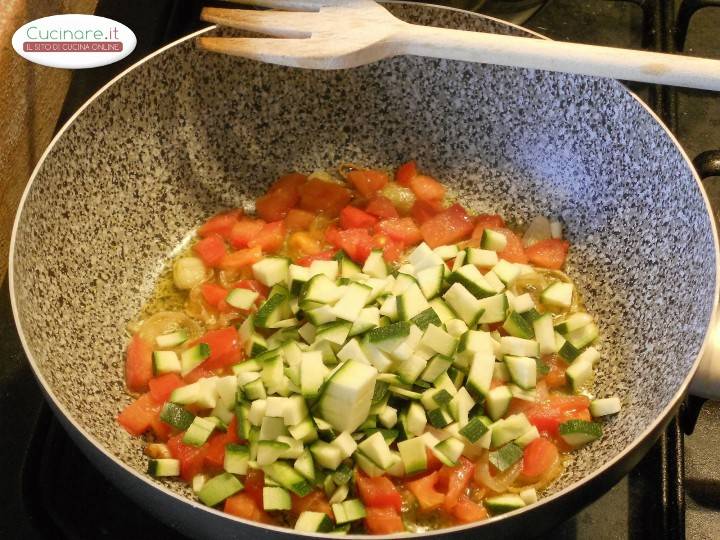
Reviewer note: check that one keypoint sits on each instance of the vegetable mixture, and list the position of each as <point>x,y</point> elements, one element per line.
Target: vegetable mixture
<point>366,355</point>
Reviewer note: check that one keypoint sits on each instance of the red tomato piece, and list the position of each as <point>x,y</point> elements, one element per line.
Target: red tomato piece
<point>368,181</point>
<point>381,207</point>
<point>383,520</point>
<point>405,173</point>
<point>326,197</point>
<point>433,463</point>
<point>254,483</point>
<point>322,256</point>
<point>392,249</point>
<point>241,258</point>
<point>483,221</point>
<point>404,230</point>
<point>161,387</point>
<point>466,511</point>
<point>288,182</point>
<point>538,457</point>
<point>514,251</point>
<point>244,506</point>
<point>448,227</point>
<point>213,294</point>
<point>138,364</point>
<point>220,224</point>
<point>354,218</point>
<point>224,346</point>
<point>425,492</point>
<point>160,429</point>
<point>427,188</point>
<point>192,458</point>
<point>137,417</point>
<point>211,250</point>
<point>298,220</point>
<point>555,378</point>
<point>424,210</point>
<point>282,196</point>
<point>458,480</point>
<point>357,243</point>
<point>378,491</point>
<point>244,231</point>
<point>215,455</point>
<point>548,416</point>
<point>315,501</point>
<point>302,243</point>
<point>270,238</point>
<point>548,253</point>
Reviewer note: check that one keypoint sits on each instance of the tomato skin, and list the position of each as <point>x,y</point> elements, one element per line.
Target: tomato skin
<point>224,346</point>
<point>354,218</point>
<point>326,197</point>
<point>378,491</point>
<point>244,231</point>
<point>213,294</point>
<point>270,238</point>
<point>458,480</point>
<point>422,211</point>
<point>315,501</point>
<point>322,256</point>
<point>549,253</point>
<point>427,188</point>
<point>448,227</point>
<point>356,243</point>
<point>220,224</point>
<point>424,490</point>
<point>138,364</point>
<point>138,416</point>
<point>466,511</point>
<point>403,230</point>
<point>381,207</point>
<point>538,457</point>
<point>298,220</point>
<point>483,221</point>
<point>367,181</point>
<point>211,250</point>
<point>254,483</point>
<point>244,506</point>
<point>383,520</point>
<point>162,386</point>
<point>241,258</point>
<point>192,458</point>
<point>406,172</point>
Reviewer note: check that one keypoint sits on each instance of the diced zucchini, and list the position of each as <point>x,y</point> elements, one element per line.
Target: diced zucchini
<point>319,290</point>
<point>579,432</point>
<point>333,332</point>
<point>471,278</point>
<point>345,443</point>
<point>305,466</point>
<point>367,319</point>
<point>480,375</point>
<point>498,401</point>
<point>442,310</point>
<point>544,334</point>
<point>271,270</point>
<point>481,257</point>
<point>446,252</point>
<point>376,450</point>
<point>411,302</point>
<point>375,265</point>
<point>461,405</point>
<point>559,294</point>
<point>348,268</point>
<point>526,438</point>
<point>166,362</point>
<point>256,412</point>
<point>236,458</point>
<point>502,504</point>
<point>326,454</point>
<point>436,367</point>
<point>242,298</point>
<point>163,467</point>
<point>573,322</point>
<point>219,488</point>
<point>352,302</point>
<point>426,318</point>
<point>529,496</point>
<point>193,357</point>
<point>605,406</point>
<point>582,337</point>
<point>330,269</point>
<point>439,417</point>
<point>505,457</point>
<point>276,498</point>
<point>430,280</point>
<point>514,346</point>
<point>274,309</point>
<point>509,429</point>
<point>416,419</point>
<point>494,309</point>
<point>517,326</point>
<point>507,272</point>
<point>493,240</point>
<point>523,370</point>
<point>522,303</point>
<point>474,429</point>
<point>423,257</point>
<point>413,455</point>
<point>439,341</point>
<point>176,416</point>
<point>410,369</point>
<point>172,339</point>
<point>199,431</point>
<point>304,431</point>
<point>462,302</point>
<point>313,522</point>
<point>285,475</point>
<point>579,374</point>
<point>345,400</point>
<point>350,510</point>
<point>449,451</point>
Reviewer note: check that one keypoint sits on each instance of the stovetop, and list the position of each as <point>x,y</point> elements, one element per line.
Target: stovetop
<point>50,491</point>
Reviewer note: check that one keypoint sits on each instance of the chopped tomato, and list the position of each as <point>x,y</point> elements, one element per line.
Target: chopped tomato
<point>220,224</point>
<point>224,346</point>
<point>137,417</point>
<point>538,457</point>
<point>448,227</point>
<point>326,197</point>
<point>312,502</point>
<point>483,221</point>
<point>322,256</point>
<point>288,182</point>
<point>138,364</point>
<point>466,511</point>
<point>254,483</point>
<point>213,294</point>
<point>302,243</point>
<point>298,220</point>
<point>555,378</point>
<point>161,387</point>
<point>458,479</point>
<point>244,506</point>
<point>514,251</point>
<point>404,230</point>
<point>354,218</point>
<point>548,253</point>
<point>215,455</point>
<point>192,458</point>
<point>160,429</point>
<point>424,491</point>
<point>427,188</point>
<point>392,249</point>
<point>241,258</point>
<point>378,491</point>
<point>270,238</point>
<point>357,243</point>
<point>211,250</point>
<point>424,210</point>
<point>433,463</point>
<point>548,416</point>
<point>282,196</point>
<point>244,231</point>
<point>198,373</point>
<point>383,520</point>
<point>367,181</point>
<point>405,173</point>
<point>381,207</point>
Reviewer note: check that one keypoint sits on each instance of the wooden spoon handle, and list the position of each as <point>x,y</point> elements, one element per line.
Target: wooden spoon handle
<point>625,64</point>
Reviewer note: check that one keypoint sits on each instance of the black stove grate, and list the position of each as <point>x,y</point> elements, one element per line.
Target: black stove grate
<point>58,494</point>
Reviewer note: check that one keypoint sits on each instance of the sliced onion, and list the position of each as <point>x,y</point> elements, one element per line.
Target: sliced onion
<point>501,481</point>
<point>538,230</point>
<point>165,322</point>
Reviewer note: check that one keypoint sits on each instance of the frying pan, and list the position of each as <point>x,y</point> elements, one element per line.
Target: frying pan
<point>184,133</point>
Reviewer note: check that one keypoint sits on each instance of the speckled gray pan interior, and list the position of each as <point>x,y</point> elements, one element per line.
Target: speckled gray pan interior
<point>188,133</point>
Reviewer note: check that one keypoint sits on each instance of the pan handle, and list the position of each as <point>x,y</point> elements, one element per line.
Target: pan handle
<point>706,382</point>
